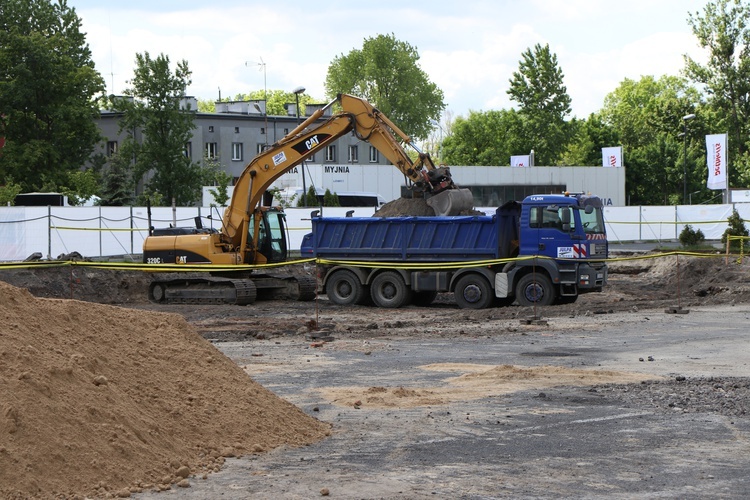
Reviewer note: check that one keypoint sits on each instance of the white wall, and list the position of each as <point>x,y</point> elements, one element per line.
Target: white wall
<point>386,180</point>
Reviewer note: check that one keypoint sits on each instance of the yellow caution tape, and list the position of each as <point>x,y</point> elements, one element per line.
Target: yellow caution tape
<point>139,266</point>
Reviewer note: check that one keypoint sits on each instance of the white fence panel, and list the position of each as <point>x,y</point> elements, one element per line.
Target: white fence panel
<point>658,223</point>
<point>710,219</point>
<point>623,223</point>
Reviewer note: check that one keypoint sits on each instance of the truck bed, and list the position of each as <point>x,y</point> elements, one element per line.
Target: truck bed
<point>406,239</point>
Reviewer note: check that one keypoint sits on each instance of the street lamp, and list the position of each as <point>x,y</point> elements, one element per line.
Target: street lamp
<point>684,155</point>
<point>297,92</point>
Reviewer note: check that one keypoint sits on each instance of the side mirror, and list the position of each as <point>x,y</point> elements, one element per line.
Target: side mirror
<point>589,209</point>
<point>566,217</point>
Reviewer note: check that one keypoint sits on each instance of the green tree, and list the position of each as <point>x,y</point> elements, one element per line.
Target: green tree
<point>588,137</point>
<point>309,199</point>
<point>81,185</point>
<point>385,73</point>
<point>331,199</point>
<point>48,86</point>
<point>538,88</point>
<point>723,28</point>
<point>118,187</point>
<point>206,106</point>
<point>277,100</point>
<point>8,192</point>
<point>737,229</point>
<point>647,117</point>
<point>486,138</point>
<point>159,110</point>
<point>222,181</point>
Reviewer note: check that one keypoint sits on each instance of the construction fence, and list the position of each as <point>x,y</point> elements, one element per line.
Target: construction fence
<point>119,232</point>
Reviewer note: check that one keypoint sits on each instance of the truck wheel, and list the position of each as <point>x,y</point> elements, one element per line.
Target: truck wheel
<point>535,288</point>
<point>344,288</point>
<point>389,290</point>
<point>473,292</point>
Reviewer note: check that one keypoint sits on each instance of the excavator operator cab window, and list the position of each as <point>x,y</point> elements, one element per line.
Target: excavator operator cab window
<point>272,236</point>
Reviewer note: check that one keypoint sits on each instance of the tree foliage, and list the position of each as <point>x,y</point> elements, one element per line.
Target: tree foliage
<point>736,229</point>
<point>159,111</point>
<point>48,86</point>
<point>386,73</point>
<point>544,102</point>
<point>118,186</point>
<point>646,115</point>
<point>723,28</point>
<point>588,137</point>
<point>486,138</point>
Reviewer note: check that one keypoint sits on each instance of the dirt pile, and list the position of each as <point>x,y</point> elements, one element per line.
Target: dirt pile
<point>102,401</point>
<point>412,207</point>
<point>405,207</point>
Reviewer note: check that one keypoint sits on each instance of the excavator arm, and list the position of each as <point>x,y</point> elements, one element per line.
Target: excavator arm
<point>367,123</point>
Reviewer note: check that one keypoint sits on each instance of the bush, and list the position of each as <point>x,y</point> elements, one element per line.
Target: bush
<point>736,228</point>
<point>691,237</point>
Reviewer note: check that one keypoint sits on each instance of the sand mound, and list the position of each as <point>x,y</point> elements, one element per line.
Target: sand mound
<point>102,401</point>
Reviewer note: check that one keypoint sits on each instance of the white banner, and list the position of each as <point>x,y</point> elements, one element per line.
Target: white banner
<point>520,161</point>
<point>716,152</point>
<point>612,157</point>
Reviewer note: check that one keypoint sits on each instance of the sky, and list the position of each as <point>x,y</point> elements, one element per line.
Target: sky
<point>469,49</point>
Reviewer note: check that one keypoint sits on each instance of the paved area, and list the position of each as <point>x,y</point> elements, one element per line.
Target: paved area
<point>575,441</point>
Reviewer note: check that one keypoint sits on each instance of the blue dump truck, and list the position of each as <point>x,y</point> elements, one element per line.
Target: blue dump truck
<point>546,250</point>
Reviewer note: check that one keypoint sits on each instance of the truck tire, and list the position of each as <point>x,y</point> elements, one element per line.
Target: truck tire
<point>344,288</point>
<point>473,291</point>
<point>388,289</point>
<point>535,289</point>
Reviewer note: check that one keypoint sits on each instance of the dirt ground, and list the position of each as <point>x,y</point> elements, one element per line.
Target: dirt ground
<point>636,281</point>
<point>280,344</point>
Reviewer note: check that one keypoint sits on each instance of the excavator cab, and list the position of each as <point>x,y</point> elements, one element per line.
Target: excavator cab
<point>272,241</point>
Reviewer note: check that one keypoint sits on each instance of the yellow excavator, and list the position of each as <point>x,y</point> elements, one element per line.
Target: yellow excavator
<point>253,234</point>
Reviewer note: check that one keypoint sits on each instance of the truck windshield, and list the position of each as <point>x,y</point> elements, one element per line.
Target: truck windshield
<point>592,223</point>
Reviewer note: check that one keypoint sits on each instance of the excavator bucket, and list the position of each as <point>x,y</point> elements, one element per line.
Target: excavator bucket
<point>451,202</point>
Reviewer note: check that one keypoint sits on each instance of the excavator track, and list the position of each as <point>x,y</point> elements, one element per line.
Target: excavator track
<point>203,291</point>
<point>218,290</point>
<point>306,288</point>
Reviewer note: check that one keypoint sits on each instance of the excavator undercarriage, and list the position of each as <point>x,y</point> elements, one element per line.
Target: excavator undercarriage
<point>222,290</point>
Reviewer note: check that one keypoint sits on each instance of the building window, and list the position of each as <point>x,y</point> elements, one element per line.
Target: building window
<point>311,158</point>
<point>188,150</point>
<point>236,151</point>
<point>374,154</point>
<point>262,130</point>
<point>236,130</point>
<point>211,150</point>
<point>111,148</point>
<point>286,131</point>
<point>259,148</point>
<point>331,153</point>
<point>210,128</point>
<point>353,154</point>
